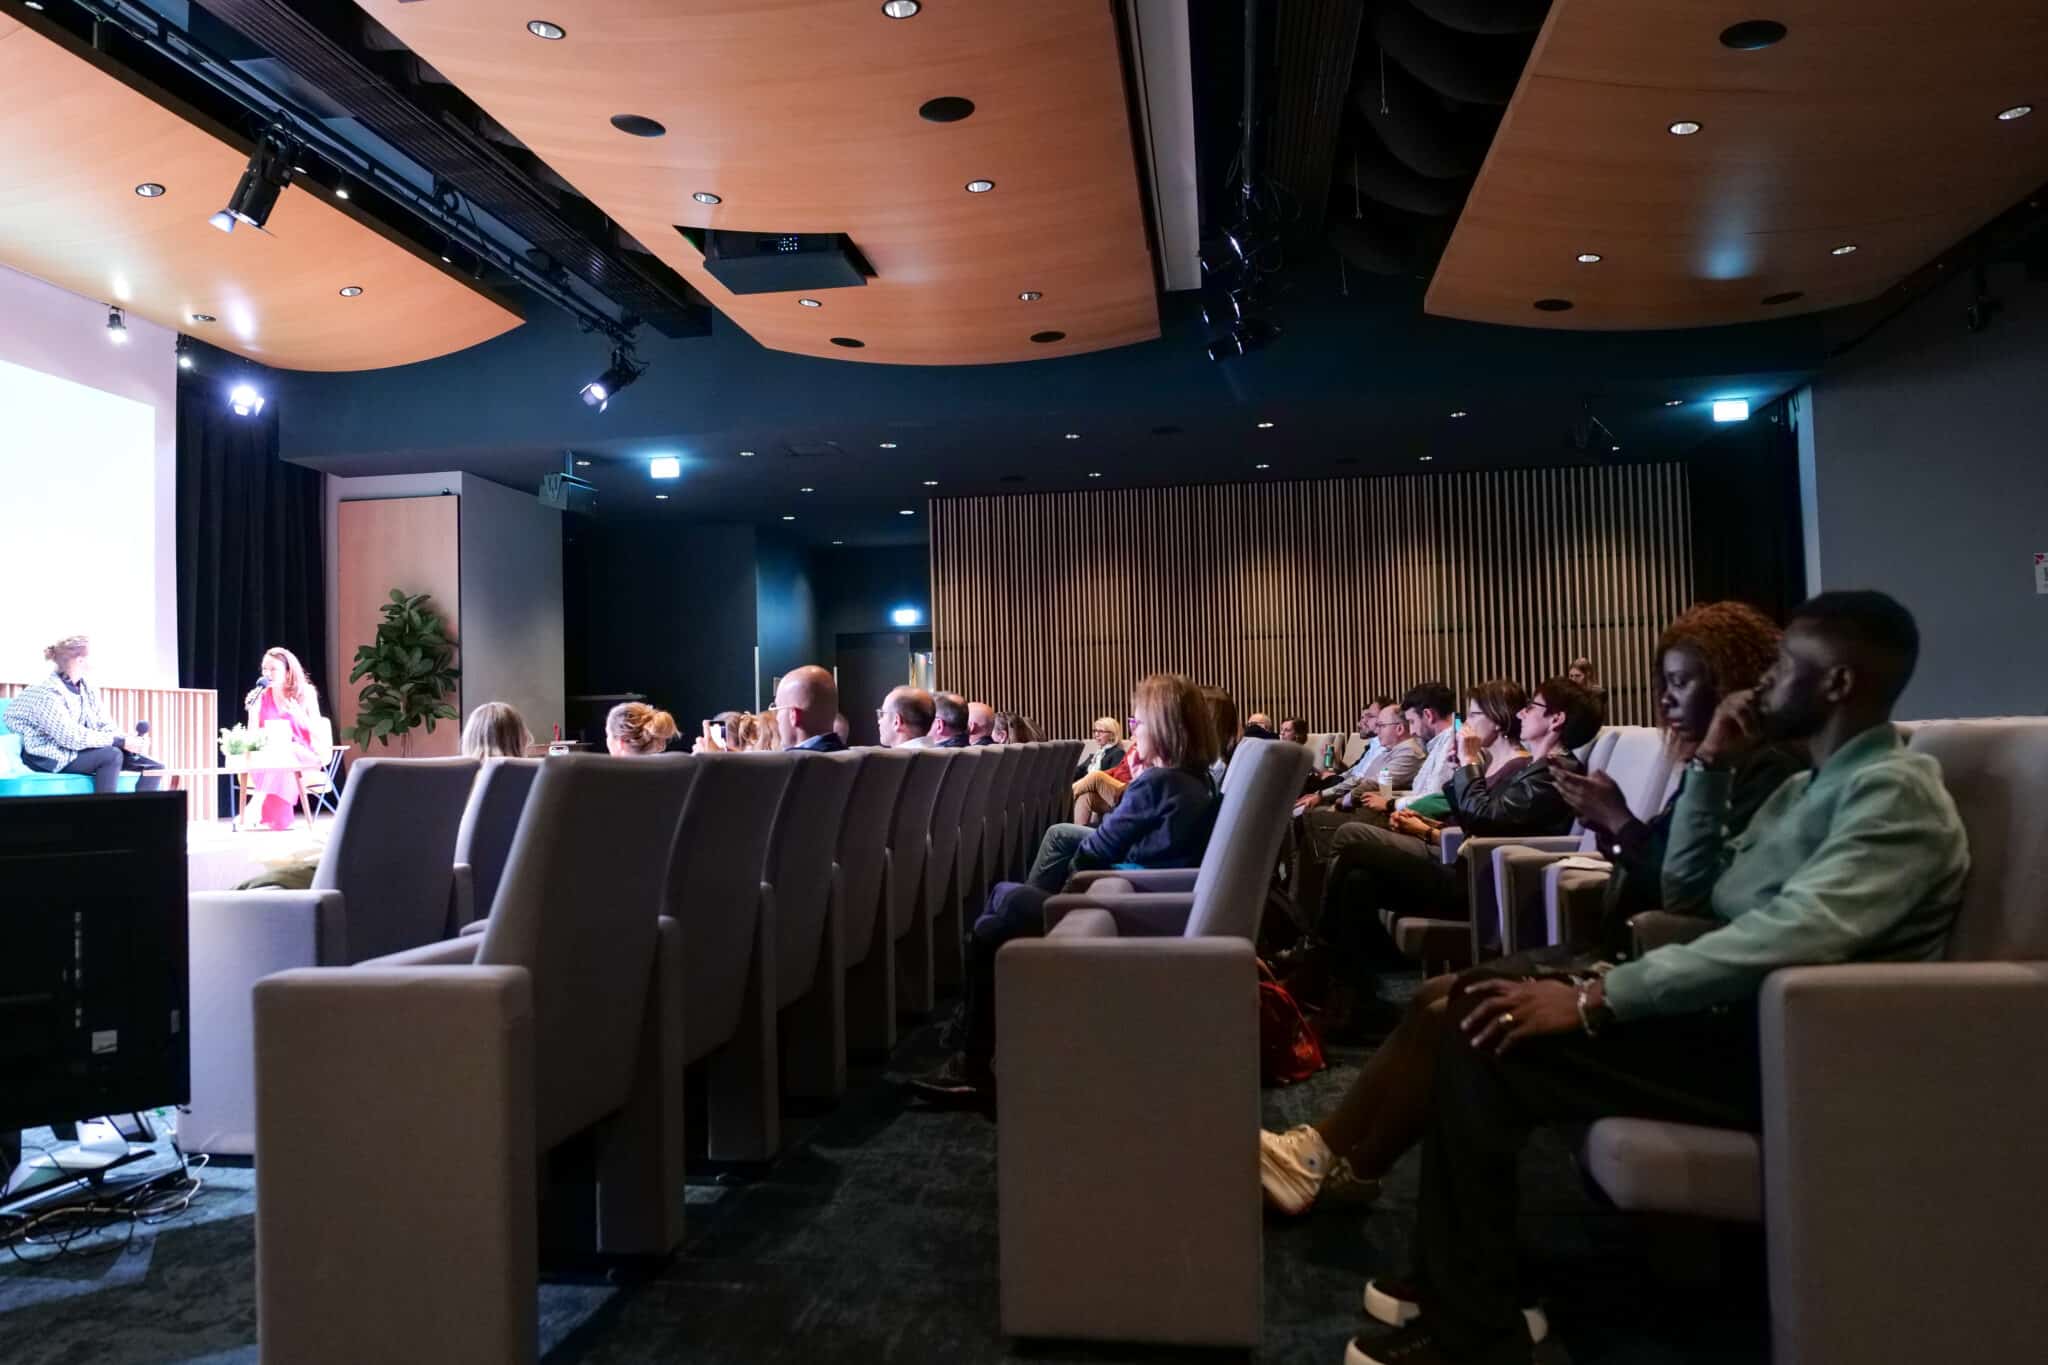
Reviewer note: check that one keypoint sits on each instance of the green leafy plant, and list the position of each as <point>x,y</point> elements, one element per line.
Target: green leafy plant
<point>410,667</point>
<point>238,740</point>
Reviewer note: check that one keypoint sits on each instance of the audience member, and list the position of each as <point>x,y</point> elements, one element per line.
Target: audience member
<point>1106,747</point>
<point>1097,794</point>
<point>806,709</point>
<point>1862,859</point>
<point>1328,762</point>
<point>1431,710</point>
<point>1711,651</point>
<point>1259,725</point>
<point>634,729</point>
<point>1392,759</point>
<point>1163,821</point>
<point>64,728</point>
<point>842,728</point>
<point>1584,674</point>
<point>1224,725</point>
<point>905,718</point>
<point>949,723</point>
<point>981,724</point>
<point>1294,731</point>
<point>495,730</point>
<point>1012,728</point>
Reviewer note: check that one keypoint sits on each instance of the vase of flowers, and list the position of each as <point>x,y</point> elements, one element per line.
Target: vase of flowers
<point>237,743</point>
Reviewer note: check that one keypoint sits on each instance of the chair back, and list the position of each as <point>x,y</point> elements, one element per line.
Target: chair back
<point>974,811</point>
<point>484,839</point>
<point>864,842</point>
<point>800,861</point>
<point>1997,772</point>
<point>910,835</point>
<point>714,883</point>
<point>1244,848</point>
<point>391,850</point>
<point>1638,758</point>
<point>583,886</point>
<point>1000,826</point>
<point>941,867</point>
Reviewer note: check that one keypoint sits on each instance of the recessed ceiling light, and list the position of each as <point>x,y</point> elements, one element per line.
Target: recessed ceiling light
<point>706,197</point>
<point>789,518</point>
<point>1094,473</point>
<point>906,512</point>
<point>746,454</point>
<point>1589,258</point>
<point>980,186</point>
<point>1553,305</point>
<point>810,303</point>
<point>33,4</point>
<point>661,497</point>
<point>341,192</point>
<point>888,445</point>
<point>1845,249</point>
<point>1073,436</point>
<point>638,125</point>
<point>807,489</point>
<point>1752,34</point>
<point>1685,127</point>
<point>1786,296</point>
<point>349,291</point>
<point>1674,402</point>
<point>1614,448</point>
<point>1460,413</point>
<point>1043,337</point>
<point>202,317</point>
<point>1265,426</point>
<point>1262,466</point>
<point>1425,458</point>
<point>850,343</point>
<point>1031,296</point>
<point>149,189</point>
<point>583,464</point>
<point>838,542</point>
<point>447,260</point>
<point>541,28</point>
<point>945,109</point>
<point>931,483</point>
<point>2017,111</point>
<point>901,9</point>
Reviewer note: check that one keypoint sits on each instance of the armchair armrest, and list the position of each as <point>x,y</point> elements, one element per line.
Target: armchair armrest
<point>459,951</point>
<point>462,898</point>
<point>443,1059</point>
<point>1140,878</point>
<point>1944,1061</point>
<point>1507,896</point>
<point>1655,928</point>
<point>1141,914</point>
<point>1450,839</point>
<point>1573,900</point>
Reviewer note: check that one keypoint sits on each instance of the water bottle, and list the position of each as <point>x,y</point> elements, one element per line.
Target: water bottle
<point>1386,785</point>
<point>1329,755</point>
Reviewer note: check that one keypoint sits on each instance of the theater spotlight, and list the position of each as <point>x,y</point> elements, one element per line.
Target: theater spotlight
<point>624,369</point>
<point>184,355</point>
<point>117,327</point>
<point>269,172</point>
<point>244,400</point>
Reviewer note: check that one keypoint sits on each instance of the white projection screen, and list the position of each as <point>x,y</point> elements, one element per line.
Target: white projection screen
<point>79,543</point>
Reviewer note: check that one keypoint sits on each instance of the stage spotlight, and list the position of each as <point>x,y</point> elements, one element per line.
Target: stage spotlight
<point>244,400</point>
<point>184,355</point>
<point>269,172</point>
<point>624,369</point>
<point>117,327</point>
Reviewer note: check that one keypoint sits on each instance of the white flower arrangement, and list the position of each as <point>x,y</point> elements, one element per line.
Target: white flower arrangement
<point>239,741</point>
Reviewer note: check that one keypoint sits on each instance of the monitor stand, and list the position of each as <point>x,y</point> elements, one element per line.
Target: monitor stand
<point>94,1160</point>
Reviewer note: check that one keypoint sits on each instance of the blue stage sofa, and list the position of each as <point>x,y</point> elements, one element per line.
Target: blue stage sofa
<point>18,779</point>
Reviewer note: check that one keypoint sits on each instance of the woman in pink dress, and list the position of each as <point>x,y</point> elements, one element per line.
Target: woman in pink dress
<point>286,694</point>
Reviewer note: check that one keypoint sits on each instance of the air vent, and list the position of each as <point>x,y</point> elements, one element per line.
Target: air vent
<point>815,450</point>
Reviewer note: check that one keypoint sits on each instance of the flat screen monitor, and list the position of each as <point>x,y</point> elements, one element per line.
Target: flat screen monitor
<point>93,1016</point>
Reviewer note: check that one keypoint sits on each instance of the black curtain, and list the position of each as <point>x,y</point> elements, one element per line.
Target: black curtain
<point>1747,542</point>
<point>251,570</point>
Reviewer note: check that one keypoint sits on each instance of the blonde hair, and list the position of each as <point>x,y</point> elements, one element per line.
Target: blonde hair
<point>298,688</point>
<point>1116,728</point>
<point>494,730</point>
<point>67,649</point>
<point>1178,718</point>
<point>640,727</point>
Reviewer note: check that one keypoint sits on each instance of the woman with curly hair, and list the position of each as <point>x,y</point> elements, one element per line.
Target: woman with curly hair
<point>1709,651</point>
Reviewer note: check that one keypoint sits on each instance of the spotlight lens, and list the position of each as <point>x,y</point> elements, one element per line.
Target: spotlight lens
<point>1731,409</point>
<point>901,9</point>
<point>149,189</point>
<point>541,28</point>
<point>223,220</point>
<point>1685,127</point>
<point>2017,111</point>
<point>1589,258</point>
<point>184,362</point>
<point>706,197</point>
<point>980,186</point>
<point>595,396</point>
<point>244,399</point>
<point>350,291</point>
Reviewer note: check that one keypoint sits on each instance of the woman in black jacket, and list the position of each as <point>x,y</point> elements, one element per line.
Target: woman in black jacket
<point>1108,735</point>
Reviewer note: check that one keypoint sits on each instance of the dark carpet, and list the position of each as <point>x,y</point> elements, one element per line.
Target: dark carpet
<point>873,1240</point>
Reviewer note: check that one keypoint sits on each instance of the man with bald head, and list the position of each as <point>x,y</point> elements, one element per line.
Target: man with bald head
<point>905,719</point>
<point>806,705</point>
<point>981,724</point>
<point>949,725</point>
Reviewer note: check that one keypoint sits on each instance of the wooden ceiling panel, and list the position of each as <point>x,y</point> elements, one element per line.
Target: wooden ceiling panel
<point>79,140</point>
<point>1873,124</point>
<point>802,115</point>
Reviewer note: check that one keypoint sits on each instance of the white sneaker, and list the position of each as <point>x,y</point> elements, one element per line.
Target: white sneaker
<point>1393,1303</point>
<point>1292,1167</point>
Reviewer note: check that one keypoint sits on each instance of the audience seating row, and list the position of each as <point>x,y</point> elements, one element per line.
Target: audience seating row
<point>745,910</point>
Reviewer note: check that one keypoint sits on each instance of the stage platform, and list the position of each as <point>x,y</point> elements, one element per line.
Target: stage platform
<point>219,858</point>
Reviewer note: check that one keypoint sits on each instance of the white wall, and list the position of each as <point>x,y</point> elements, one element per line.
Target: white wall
<point>1924,471</point>
<point>88,481</point>
<point>511,588</point>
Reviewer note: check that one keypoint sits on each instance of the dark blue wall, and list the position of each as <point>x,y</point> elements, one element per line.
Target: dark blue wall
<point>857,588</point>
<point>785,615</point>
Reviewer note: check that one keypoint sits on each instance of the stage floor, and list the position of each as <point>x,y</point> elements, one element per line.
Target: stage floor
<point>220,858</point>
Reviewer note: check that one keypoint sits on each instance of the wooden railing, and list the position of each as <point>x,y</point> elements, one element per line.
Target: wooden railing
<point>183,729</point>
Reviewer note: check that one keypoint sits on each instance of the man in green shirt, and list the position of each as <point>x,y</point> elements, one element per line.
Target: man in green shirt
<point>1861,859</point>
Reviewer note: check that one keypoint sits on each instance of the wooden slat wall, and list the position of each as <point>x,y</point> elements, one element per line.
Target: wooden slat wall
<point>183,732</point>
<point>1307,598</point>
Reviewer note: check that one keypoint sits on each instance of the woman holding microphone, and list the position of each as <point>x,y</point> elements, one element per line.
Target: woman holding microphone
<point>285,695</point>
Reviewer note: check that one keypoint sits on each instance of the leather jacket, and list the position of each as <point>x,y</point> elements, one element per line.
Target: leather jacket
<point>1522,801</point>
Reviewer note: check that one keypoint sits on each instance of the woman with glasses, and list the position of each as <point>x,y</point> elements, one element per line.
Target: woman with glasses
<point>1097,790</point>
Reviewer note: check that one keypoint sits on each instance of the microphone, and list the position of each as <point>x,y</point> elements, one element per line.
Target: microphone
<point>141,727</point>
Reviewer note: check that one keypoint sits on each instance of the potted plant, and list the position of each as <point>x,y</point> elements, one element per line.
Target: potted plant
<point>411,672</point>
<point>237,742</point>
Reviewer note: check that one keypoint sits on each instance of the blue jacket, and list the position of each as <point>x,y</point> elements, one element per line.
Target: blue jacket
<point>1163,820</point>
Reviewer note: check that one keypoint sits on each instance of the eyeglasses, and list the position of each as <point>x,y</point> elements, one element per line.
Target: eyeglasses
<point>1132,723</point>
<point>1104,730</point>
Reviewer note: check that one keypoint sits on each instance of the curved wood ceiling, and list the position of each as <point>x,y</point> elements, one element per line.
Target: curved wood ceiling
<point>1873,124</point>
<point>78,141</point>
<point>802,115</point>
